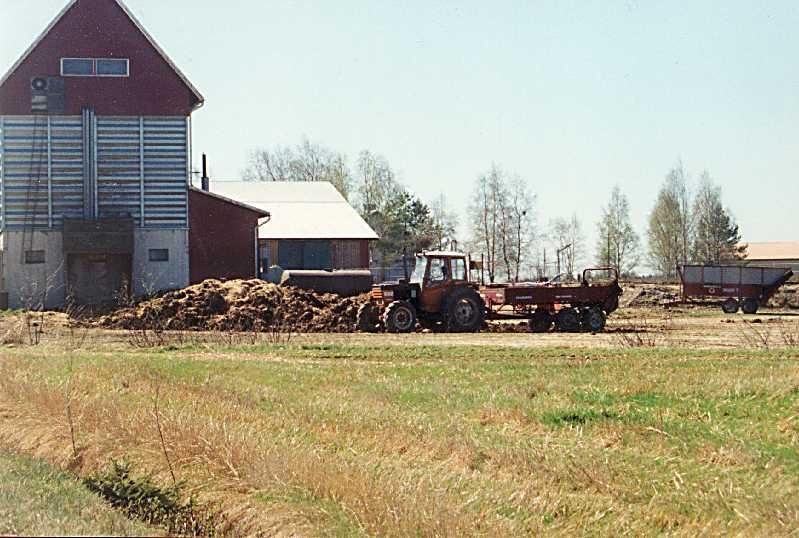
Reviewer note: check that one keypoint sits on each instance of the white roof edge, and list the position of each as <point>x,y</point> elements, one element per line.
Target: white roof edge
<point>135,22</point>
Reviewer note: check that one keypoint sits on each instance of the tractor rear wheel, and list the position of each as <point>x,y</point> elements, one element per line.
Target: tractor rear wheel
<point>400,317</point>
<point>567,321</point>
<point>465,311</point>
<point>750,305</point>
<point>367,319</point>
<point>593,320</point>
<point>541,322</point>
<point>730,306</point>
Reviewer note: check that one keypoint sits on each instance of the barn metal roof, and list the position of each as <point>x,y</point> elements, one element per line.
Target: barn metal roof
<point>786,250</point>
<point>300,210</point>
<point>142,29</point>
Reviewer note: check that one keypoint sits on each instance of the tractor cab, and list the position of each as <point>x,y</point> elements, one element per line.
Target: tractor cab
<point>438,282</point>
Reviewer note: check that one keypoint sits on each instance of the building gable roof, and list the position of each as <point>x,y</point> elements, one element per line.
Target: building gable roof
<point>299,210</point>
<point>136,23</point>
<point>258,211</point>
<point>785,250</point>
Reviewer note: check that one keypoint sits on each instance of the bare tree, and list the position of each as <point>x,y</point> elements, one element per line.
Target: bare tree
<point>305,162</point>
<point>376,183</point>
<point>567,234</point>
<point>670,224</point>
<point>485,211</point>
<point>716,236</point>
<point>502,222</point>
<point>617,242</point>
<point>445,224</point>
<point>517,226</point>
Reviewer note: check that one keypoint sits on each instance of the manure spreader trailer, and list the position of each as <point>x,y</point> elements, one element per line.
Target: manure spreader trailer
<point>738,286</point>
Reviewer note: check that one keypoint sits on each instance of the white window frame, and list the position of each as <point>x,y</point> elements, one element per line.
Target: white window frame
<point>68,75</point>
<point>127,68</point>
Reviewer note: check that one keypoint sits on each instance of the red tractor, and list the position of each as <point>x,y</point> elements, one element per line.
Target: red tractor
<point>440,295</point>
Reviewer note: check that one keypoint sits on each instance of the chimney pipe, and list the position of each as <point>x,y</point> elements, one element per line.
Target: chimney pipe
<point>206,181</point>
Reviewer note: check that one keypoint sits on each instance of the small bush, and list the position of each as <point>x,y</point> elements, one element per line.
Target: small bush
<point>140,497</point>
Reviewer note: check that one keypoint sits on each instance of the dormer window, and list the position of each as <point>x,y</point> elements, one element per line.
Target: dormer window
<point>95,67</point>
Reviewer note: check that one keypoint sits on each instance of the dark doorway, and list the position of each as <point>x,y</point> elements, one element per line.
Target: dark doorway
<point>98,279</point>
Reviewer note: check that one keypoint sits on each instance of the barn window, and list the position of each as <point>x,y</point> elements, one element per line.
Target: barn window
<point>112,67</point>
<point>159,255</point>
<point>77,67</point>
<point>34,256</point>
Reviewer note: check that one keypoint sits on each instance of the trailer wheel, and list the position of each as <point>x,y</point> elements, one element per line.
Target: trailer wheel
<point>730,306</point>
<point>400,317</point>
<point>465,312</point>
<point>567,321</point>
<point>541,322</point>
<point>367,319</point>
<point>593,320</point>
<point>750,305</point>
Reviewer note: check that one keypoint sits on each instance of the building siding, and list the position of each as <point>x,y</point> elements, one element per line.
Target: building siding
<point>345,253</point>
<point>221,239</point>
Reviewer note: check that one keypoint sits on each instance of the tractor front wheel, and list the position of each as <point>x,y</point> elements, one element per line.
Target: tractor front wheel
<point>400,317</point>
<point>367,319</point>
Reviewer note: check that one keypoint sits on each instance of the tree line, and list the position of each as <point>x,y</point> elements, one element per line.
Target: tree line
<point>685,225</point>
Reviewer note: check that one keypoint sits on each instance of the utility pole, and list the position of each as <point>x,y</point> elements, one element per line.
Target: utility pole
<point>560,251</point>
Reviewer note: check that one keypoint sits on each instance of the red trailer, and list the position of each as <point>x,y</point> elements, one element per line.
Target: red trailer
<point>571,307</point>
<point>741,286</point>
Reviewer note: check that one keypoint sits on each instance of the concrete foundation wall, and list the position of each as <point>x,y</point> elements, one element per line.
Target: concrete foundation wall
<point>158,276</point>
<point>28,284</point>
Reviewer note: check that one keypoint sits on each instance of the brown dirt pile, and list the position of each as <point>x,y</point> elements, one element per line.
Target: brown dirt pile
<point>652,295</point>
<point>240,305</point>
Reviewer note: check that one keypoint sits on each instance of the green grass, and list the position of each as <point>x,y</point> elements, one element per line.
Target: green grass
<point>337,439</point>
<point>38,500</point>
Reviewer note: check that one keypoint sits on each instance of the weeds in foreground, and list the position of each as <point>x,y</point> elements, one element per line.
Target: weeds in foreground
<point>140,497</point>
<point>636,334</point>
<point>761,336</point>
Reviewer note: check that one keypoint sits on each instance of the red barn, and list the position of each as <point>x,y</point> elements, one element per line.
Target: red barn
<point>223,237</point>
<point>95,139</point>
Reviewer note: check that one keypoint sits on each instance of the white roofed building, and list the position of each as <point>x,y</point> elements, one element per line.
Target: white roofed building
<point>774,254</point>
<point>312,225</point>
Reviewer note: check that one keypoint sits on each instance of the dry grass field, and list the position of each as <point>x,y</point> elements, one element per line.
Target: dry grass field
<point>683,422</point>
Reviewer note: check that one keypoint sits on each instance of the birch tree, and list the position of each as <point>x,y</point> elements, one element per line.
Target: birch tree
<point>617,242</point>
<point>670,224</point>
<point>568,233</point>
<point>502,222</point>
<point>445,224</point>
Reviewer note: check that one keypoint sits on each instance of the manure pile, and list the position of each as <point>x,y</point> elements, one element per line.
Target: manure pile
<point>240,305</point>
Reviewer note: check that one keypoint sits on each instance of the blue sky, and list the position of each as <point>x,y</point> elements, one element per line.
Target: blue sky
<point>573,96</point>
